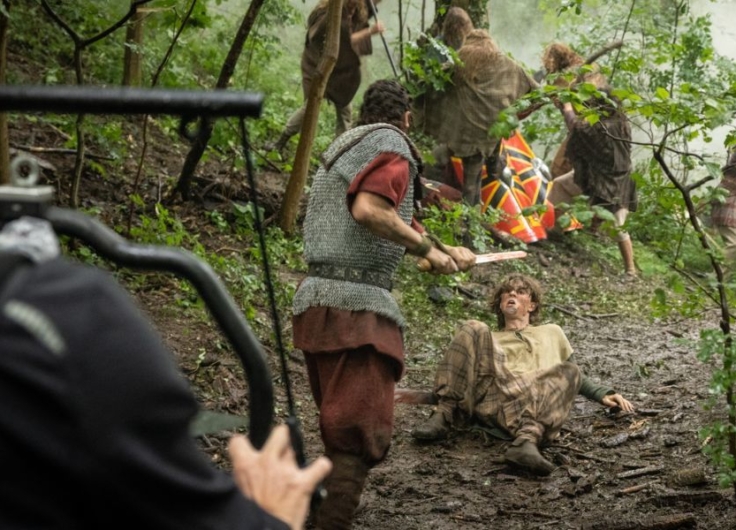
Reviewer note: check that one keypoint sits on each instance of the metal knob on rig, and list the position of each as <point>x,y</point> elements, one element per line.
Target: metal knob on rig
<point>23,197</point>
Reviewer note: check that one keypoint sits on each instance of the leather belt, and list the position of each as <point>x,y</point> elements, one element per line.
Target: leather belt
<point>351,274</point>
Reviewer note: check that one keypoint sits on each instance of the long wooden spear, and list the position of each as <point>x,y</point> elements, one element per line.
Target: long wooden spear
<point>374,12</point>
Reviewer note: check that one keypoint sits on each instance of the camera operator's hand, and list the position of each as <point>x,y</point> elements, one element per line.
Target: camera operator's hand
<point>272,478</point>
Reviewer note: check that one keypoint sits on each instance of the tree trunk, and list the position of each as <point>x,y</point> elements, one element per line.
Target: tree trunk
<point>132,69</point>
<point>228,67</point>
<point>295,186</point>
<point>4,140</point>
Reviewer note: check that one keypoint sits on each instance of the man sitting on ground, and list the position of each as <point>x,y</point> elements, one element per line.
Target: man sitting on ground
<point>522,379</point>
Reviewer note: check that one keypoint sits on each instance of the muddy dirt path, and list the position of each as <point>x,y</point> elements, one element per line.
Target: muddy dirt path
<point>615,471</point>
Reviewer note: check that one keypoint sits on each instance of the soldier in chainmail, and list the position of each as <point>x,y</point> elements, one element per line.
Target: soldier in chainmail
<point>601,160</point>
<point>358,226</point>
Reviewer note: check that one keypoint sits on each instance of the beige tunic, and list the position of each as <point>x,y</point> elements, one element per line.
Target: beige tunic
<point>533,348</point>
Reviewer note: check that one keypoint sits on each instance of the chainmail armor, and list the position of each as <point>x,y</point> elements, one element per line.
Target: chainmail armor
<point>332,236</point>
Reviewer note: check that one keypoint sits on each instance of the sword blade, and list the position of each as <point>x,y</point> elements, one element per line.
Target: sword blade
<point>424,265</point>
<point>499,256</point>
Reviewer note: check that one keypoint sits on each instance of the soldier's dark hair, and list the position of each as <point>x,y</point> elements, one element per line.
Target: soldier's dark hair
<point>385,101</point>
<point>518,283</point>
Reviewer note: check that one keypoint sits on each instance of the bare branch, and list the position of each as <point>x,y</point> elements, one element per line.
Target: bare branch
<point>658,146</point>
<point>695,222</point>
<point>56,18</point>
<point>117,25</point>
<point>626,27</point>
<point>145,120</point>
<point>170,49</point>
<point>600,53</point>
<point>698,183</point>
<point>667,134</point>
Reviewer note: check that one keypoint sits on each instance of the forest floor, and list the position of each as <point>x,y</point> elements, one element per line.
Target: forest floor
<point>616,471</point>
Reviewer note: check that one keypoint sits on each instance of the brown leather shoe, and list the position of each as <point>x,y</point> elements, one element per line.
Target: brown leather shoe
<point>527,456</point>
<point>435,428</point>
<point>344,488</point>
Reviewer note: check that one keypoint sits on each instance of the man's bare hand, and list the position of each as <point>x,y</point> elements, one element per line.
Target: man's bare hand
<point>464,257</point>
<point>441,263</point>
<point>272,478</point>
<point>617,400</point>
<point>378,27</point>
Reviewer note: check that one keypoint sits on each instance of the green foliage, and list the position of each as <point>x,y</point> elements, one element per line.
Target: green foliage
<point>677,90</point>
<point>164,228</point>
<point>715,346</point>
<point>429,64</point>
<point>241,271</point>
<point>566,5</point>
<point>450,221</point>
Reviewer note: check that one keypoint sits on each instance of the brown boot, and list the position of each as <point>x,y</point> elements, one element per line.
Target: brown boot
<point>627,253</point>
<point>344,487</point>
<point>525,454</point>
<point>435,428</point>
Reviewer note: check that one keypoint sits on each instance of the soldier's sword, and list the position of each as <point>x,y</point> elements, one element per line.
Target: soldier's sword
<point>424,265</point>
<point>499,256</point>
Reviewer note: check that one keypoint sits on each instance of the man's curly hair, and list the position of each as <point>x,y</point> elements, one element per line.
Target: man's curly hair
<point>559,58</point>
<point>385,101</point>
<point>515,282</point>
<point>456,26</point>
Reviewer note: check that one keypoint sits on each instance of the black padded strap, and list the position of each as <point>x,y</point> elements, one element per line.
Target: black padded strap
<point>10,264</point>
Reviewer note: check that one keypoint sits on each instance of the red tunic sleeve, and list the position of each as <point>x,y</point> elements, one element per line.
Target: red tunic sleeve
<point>387,176</point>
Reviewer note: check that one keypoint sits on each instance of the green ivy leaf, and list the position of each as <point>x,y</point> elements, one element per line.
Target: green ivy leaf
<point>662,93</point>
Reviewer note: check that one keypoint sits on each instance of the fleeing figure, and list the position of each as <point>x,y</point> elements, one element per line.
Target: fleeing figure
<point>564,67</point>
<point>487,82</point>
<point>601,159</point>
<point>344,81</point>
